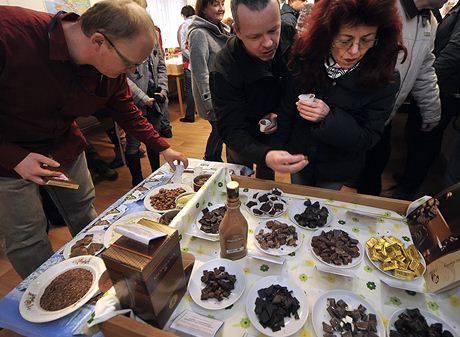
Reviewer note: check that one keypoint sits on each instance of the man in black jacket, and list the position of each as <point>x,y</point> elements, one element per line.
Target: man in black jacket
<point>247,83</point>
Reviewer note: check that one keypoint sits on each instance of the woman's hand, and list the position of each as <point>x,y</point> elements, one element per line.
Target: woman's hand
<point>313,111</point>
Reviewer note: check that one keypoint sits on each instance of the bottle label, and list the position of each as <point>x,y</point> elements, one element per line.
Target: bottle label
<point>231,243</point>
<point>234,250</point>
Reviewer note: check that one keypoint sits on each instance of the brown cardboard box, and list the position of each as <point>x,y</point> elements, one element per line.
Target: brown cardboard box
<point>148,279</point>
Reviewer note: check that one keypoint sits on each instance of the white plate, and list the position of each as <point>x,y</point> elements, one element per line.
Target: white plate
<point>195,285</point>
<point>296,206</point>
<point>429,317</point>
<point>98,237</point>
<point>111,236</point>
<point>263,216</point>
<point>376,264</point>
<point>283,250</point>
<point>291,325</point>
<point>200,215</point>
<point>147,204</point>
<point>29,306</point>
<point>354,262</point>
<point>320,314</point>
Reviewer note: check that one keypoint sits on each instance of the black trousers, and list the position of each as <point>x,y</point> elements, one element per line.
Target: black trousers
<point>214,145</point>
<point>370,179</point>
<point>423,148</point>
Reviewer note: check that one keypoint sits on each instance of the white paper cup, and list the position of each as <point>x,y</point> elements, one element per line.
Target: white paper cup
<point>264,124</point>
<point>307,97</point>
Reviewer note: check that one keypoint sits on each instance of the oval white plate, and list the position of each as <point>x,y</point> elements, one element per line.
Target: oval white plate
<point>98,237</point>
<point>291,325</point>
<point>147,204</point>
<point>263,216</point>
<point>354,262</point>
<point>29,306</point>
<point>376,264</point>
<point>320,314</point>
<point>429,317</point>
<point>296,206</point>
<point>195,285</point>
<point>200,215</point>
<point>283,250</point>
<point>111,236</point>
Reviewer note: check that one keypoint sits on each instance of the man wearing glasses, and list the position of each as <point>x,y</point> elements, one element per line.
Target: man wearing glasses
<point>53,70</point>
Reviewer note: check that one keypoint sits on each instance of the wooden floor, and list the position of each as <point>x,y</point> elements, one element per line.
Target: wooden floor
<point>189,139</point>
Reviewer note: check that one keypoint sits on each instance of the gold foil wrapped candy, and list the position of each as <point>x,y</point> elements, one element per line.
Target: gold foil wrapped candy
<point>403,263</point>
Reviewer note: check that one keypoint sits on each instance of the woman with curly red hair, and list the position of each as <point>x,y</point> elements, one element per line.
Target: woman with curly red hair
<point>346,58</point>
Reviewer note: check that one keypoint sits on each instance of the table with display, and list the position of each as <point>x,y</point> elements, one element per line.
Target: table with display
<point>300,267</point>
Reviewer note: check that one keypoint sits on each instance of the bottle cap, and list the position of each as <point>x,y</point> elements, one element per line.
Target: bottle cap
<point>233,190</point>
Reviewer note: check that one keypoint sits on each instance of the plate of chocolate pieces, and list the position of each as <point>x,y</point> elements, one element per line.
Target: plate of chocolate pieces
<point>277,237</point>
<point>217,284</point>
<point>337,248</point>
<point>309,214</point>
<point>209,219</point>
<point>343,313</point>
<point>266,204</point>
<point>89,243</point>
<point>276,306</point>
<point>418,323</point>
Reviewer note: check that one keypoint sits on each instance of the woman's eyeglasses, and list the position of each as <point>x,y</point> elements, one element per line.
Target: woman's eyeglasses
<point>123,58</point>
<point>363,43</point>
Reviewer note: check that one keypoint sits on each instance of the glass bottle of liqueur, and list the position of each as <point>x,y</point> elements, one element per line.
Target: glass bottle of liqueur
<point>233,229</point>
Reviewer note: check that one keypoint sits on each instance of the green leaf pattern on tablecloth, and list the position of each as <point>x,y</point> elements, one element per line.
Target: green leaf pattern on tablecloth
<point>354,219</point>
<point>371,285</point>
<point>342,222</point>
<point>394,300</point>
<point>368,269</point>
<point>433,306</point>
<point>303,277</point>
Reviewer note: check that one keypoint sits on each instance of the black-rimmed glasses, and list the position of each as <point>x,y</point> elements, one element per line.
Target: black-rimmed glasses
<point>124,59</point>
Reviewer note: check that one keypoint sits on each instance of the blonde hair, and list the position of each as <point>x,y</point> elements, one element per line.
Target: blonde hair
<point>118,19</point>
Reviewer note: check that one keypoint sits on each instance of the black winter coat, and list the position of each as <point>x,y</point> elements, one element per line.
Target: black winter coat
<point>447,52</point>
<point>337,145</point>
<point>243,90</point>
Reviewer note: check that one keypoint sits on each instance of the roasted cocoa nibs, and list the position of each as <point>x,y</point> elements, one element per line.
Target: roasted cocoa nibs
<point>66,289</point>
<point>281,235</point>
<point>210,220</point>
<point>219,284</point>
<point>165,199</point>
<point>412,323</point>
<point>348,322</point>
<point>274,304</point>
<point>313,216</point>
<point>335,247</point>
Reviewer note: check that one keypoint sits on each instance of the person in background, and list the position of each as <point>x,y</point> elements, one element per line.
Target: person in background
<point>73,65</point>
<point>418,77</point>
<point>149,86</point>
<point>247,83</point>
<point>187,13</point>
<point>290,11</point>
<point>346,59</point>
<point>424,147</point>
<point>206,37</point>
<point>165,124</point>
<point>303,16</point>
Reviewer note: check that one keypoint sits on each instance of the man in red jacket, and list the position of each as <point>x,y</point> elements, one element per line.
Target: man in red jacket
<point>53,70</point>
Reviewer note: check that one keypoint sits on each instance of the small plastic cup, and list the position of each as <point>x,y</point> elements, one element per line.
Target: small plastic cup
<point>307,97</point>
<point>264,124</point>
